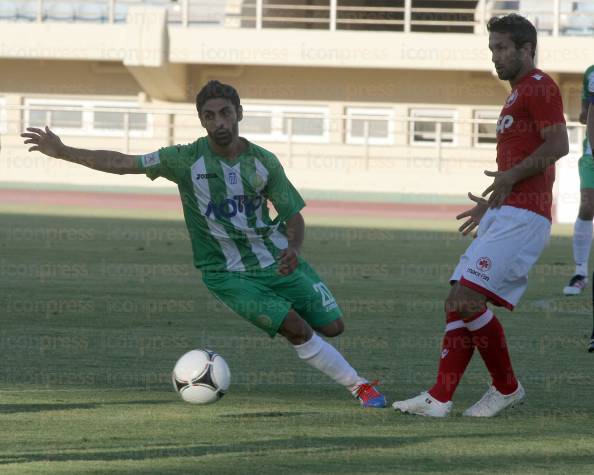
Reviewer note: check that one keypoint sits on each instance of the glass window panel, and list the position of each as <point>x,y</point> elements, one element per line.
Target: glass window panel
<point>486,127</point>
<point>425,128</point>
<point>37,118</point>
<point>424,131</point>
<point>66,119</point>
<point>377,128</point>
<point>108,120</point>
<point>138,121</point>
<point>304,125</point>
<point>114,120</point>
<point>256,124</point>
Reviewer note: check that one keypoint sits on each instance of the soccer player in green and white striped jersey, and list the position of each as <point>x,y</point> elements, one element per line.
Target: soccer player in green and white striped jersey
<point>249,261</point>
<point>582,231</point>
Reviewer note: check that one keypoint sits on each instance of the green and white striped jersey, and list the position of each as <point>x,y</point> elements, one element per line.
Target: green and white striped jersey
<point>225,203</point>
<point>588,95</point>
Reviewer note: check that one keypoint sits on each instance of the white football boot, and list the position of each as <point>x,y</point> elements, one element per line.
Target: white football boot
<point>493,402</point>
<point>576,285</point>
<point>424,405</point>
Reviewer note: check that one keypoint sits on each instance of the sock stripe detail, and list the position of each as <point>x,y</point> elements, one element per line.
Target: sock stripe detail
<point>480,321</point>
<point>455,325</point>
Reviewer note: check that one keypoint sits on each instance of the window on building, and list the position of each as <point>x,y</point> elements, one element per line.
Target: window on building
<point>485,125</point>
<point>84,117</point>
<point>65,117</point>
<point>374,126</point>
<point>116,120</point>
<point>431,126</point>
<point>278,122</point>
<point>256,123</point>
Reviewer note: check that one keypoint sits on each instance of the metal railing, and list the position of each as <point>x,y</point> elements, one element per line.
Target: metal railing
<point>402,139</point>
<point>554,17</point>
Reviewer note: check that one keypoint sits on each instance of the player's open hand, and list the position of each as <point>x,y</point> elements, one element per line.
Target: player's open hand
<point>500,188</point>
<point>287,261</point>
<point>44,141</point>
<point>473,214</point>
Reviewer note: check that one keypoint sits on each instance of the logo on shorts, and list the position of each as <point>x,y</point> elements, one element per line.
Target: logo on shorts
<point>483,264</point>
<point>444,353</point>
<point>328,301</point>
<point>264,321</point>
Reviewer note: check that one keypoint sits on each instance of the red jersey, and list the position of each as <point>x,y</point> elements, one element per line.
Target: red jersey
<point>534,103</point>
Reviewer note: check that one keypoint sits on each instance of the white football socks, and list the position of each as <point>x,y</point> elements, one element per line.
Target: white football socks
<point>324,357</point>
<point>582,242</point>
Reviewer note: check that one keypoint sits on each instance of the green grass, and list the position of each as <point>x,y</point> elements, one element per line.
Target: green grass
<point>96,309</point>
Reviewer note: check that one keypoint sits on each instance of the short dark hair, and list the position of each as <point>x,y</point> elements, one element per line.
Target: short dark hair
<point>520,28</point>
<point>215,89</point>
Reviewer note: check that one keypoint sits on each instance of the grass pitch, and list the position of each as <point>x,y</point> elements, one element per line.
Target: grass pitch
<point>96,310</point>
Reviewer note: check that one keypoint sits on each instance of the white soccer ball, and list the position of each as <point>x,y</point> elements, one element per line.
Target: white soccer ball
<point>201,377</point>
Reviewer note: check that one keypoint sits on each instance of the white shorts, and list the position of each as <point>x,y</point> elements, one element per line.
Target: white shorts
<point>496,264</point>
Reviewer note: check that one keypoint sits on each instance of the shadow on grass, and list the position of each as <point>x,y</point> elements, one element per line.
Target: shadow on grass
<point>308,445</point>
<point>16,408</point>
<point>256,415</point>
<point>43,407</point>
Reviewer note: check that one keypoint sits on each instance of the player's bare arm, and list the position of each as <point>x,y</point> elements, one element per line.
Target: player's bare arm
<point>474,214</point>
<point>555,146</point>
<point>48,143</point>
<point>295,234</point>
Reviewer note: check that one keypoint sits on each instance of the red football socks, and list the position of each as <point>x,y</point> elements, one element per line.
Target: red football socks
<point>489,338</point>
<point>457,349</point>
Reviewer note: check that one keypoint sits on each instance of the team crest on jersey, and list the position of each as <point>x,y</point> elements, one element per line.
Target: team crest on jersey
<point>483,264</point>
<point>232,178</point>
<point>511,98</point>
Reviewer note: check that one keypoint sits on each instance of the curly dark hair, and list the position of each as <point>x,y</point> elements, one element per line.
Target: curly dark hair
<point>216,89</point>
<point>520,29</point>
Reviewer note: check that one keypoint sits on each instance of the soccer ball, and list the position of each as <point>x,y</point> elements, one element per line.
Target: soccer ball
<point>201,377</point>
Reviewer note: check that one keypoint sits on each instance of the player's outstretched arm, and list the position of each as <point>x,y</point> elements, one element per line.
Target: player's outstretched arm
<point>555,146</point>
<point>48,143</point>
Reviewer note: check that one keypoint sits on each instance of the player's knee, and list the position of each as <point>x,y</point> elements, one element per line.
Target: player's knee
<point>464,307</point>
<point>334,328</point>
<point>295,329</point>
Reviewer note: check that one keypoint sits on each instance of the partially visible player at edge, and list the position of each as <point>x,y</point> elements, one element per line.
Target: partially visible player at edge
<point>248,261</point>
<point>514,227</point>
<point>590,136</point>
<point>582,230</point>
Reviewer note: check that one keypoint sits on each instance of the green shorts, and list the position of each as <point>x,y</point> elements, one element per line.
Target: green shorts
<point>586,168</point>
<point>264,298</point>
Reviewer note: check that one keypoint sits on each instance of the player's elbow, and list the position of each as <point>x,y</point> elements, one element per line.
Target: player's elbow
<point>562,147</point>
<point>559,146</point>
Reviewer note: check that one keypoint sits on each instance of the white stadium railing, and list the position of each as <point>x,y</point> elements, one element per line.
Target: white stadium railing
<point>553,17</point>
<point>353,136</point>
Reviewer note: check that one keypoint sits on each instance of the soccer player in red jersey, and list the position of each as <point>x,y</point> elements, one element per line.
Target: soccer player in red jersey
<point>513,227</point>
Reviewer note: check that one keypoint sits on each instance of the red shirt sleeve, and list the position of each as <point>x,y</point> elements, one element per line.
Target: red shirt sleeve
<point>545,104</point>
